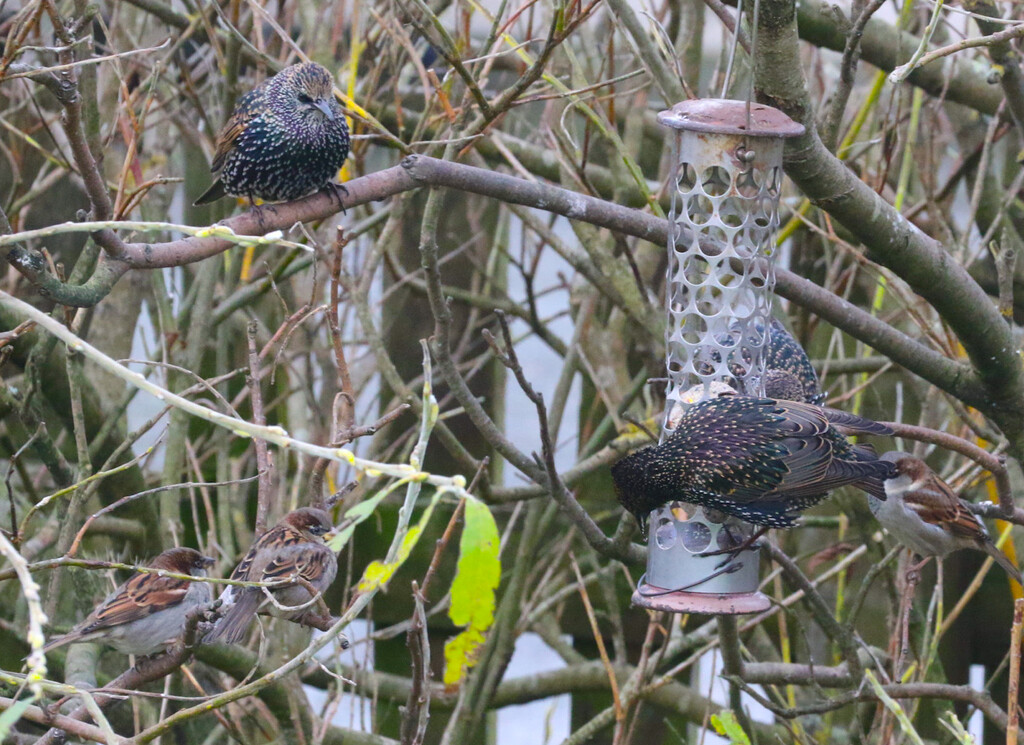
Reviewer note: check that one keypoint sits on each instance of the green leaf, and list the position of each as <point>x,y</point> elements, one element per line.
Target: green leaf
<point>725,723</point>
<point>12,715</point>
<point>477,577</point>
<point>359,512</point>
<point>379,573</point>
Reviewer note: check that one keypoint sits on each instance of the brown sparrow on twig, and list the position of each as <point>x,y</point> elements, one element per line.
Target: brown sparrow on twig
<point>293,549</point>
<point>922,512</point>
<point>148,612</point>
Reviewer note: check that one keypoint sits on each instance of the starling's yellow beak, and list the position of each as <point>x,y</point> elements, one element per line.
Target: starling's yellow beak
<point>325,107</point>
<point>641,520</point>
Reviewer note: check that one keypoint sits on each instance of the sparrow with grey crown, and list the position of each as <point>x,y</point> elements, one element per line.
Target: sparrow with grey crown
<point>148,612</point>
<point>292,549</point>
<point>922,512</point>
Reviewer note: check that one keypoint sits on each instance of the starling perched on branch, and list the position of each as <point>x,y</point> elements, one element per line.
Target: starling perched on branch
<point>286,138</point>
<point>924,514</point>
<point>759,459</point>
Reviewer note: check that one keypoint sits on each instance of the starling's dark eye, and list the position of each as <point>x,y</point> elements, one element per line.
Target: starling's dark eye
<point>303,98</point>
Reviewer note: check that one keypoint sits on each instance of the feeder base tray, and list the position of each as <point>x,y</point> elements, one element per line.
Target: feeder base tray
<point>707,603</point>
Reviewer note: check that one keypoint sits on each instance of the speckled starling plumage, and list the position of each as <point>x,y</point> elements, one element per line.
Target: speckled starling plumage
<point>789,374</point>
<point>789,370</point>
<point>286,138</point>
<point>759,459</point>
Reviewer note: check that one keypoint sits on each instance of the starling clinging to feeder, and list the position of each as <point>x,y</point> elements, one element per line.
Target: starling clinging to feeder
<point>789,373</point>
<point>759,459</point>
<point>924,514</point>
<point>286,138</point>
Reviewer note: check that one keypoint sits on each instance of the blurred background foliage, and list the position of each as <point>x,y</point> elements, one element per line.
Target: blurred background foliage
<point>557,92</point>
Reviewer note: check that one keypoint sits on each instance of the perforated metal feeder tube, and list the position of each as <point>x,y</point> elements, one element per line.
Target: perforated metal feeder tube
<point>721,273</point>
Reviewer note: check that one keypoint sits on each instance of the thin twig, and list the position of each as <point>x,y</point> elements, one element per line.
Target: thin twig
<point>1013,32</point>
<point>272,434</point>
<point>264,460</point>
<point>1005,256</point>
<point>549,476</point>
<point>1012,706</point>
<point>620,711</point>
<point>416,712</point>
<point>994,464</point>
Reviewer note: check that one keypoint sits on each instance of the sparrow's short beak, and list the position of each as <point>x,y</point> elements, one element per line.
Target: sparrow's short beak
<point>209,561</point>
<point>325,106</point>
<point>330,534</point>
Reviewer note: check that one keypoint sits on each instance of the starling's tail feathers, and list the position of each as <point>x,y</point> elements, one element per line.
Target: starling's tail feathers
<point>874,487</point>
<point>1004,561</point>
<point>871,475</point>
<point>232,627</point>
<point>851,424</point>
<point>215,192</point>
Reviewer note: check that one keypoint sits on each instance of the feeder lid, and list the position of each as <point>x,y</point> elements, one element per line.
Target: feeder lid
<point>728,117</point>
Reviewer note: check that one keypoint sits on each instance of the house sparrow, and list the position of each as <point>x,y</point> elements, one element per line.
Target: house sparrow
<point>924,514</point>
<point>293,548</point>
<point>147,612</point>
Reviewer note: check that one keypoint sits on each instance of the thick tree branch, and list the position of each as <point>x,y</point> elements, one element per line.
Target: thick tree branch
<point>957,79</point>
<point>892,240</point>
<point>415,171</point>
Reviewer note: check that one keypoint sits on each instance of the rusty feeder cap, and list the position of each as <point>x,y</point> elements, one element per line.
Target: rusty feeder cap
<point>728,117</point>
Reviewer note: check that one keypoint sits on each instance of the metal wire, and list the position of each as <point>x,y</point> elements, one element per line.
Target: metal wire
<point>753,51</point>
<point>732,49</point>
<point>645,590</point>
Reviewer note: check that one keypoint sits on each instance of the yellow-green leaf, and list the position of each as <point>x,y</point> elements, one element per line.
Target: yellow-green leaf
<point>725,723</point>
<point>477,577</point>
<point>460,653</point>
<point>359,512</point>
<point>379,573</point>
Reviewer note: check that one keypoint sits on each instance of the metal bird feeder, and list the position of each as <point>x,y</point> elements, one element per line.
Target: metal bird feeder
<point>721,273</point>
